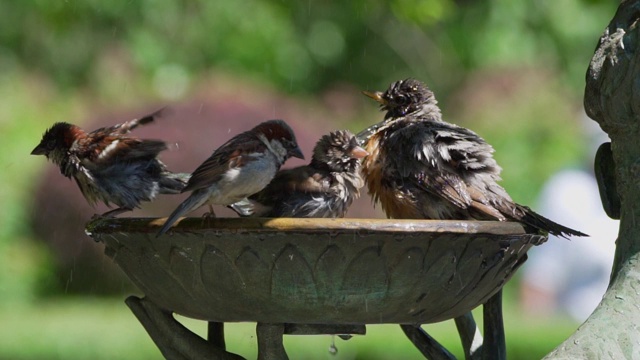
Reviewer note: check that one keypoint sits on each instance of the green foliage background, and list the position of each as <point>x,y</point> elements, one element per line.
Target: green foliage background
<point>302,47</point>
<point>511,70</point>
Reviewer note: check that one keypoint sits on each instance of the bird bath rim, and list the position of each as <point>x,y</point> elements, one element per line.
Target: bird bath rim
<point>316,271</point>
<point>151,225</point>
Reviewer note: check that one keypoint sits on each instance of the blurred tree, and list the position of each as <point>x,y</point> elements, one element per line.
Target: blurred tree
<point>301,46</point>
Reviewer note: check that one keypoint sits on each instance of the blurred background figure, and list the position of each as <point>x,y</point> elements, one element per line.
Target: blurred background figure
<point>570,277</point>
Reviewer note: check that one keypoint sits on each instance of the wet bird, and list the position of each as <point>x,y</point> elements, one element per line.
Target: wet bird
<point>421,167</point>
<point>239,168</point>
<point>109,165</point>
<point>323,189</point>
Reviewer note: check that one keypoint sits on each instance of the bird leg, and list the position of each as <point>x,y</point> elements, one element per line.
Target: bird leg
<point>208,216</point>
<point>211,214</point>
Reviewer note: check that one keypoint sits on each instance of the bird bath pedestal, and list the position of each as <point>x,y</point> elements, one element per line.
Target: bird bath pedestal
<point>315,276</point>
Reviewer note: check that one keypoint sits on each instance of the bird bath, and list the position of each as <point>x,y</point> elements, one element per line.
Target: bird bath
<point>306,275</point>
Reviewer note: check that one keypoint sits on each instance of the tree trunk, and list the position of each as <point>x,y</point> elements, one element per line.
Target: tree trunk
<point>612,98</point>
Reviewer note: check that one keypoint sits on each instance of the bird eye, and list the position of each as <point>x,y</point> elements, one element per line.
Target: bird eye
<point>402,100</point>
<point>51,144</point>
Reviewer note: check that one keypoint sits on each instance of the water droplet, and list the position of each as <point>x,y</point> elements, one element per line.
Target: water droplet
<point>333,350</point>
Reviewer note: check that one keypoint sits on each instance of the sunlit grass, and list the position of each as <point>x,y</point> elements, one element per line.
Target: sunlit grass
<point>86,328</point>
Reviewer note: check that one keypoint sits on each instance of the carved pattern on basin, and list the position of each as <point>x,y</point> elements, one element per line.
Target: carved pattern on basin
<point>317,271</point>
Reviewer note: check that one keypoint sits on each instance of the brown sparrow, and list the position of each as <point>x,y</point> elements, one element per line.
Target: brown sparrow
<point>239,168</point>
<point>109,165</point>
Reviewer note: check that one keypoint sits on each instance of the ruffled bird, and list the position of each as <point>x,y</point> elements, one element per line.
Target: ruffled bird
<point>109,165</point>
<point>421,167</point>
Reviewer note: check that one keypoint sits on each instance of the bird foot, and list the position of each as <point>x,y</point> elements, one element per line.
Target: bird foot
<point>209,215</point>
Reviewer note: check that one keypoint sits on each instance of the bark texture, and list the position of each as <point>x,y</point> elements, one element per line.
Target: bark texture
<point>612,98</point>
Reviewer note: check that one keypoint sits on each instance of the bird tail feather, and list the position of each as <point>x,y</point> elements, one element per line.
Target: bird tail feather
<point>540,222</point>
<point>173,183</point>
<point>194,201</point>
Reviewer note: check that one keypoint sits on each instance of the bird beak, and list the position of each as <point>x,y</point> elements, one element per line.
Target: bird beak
<point>358,152</point>
<point>39,150</point>
<point>296,153</point>
<point>376,95</point>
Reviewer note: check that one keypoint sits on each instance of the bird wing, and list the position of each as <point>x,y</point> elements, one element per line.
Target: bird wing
<point>298,192</point>
<point>100,148</point>
<point>109,144</point>
<point>454,163</point>
<point>301,180</point>
<point>125,127</point>
<point>235,153</point>
<point>132,124</point>
<point>447,186</point>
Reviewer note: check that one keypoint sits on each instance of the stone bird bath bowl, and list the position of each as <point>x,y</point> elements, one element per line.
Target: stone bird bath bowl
<point>324,272</point>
